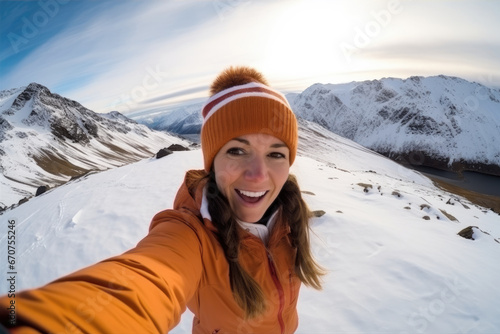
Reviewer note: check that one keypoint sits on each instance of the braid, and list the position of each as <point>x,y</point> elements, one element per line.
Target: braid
<point>247,293</point>
<point>297,214</point>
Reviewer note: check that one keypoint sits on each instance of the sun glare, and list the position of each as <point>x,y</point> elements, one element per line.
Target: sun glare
<point>303,40</point>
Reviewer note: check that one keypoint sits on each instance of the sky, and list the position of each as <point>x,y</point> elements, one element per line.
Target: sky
<point>135,56</point>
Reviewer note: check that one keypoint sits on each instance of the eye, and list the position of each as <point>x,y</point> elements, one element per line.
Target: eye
<point>277,155</point>
<point>235,151</point>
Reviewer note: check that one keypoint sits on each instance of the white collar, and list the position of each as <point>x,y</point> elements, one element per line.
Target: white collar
<point>204,205</point>
<point>259,230</point>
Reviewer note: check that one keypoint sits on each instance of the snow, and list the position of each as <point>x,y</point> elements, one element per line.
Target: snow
<point>441,115</point>
<point>390,270</point>
<point>119,141</point>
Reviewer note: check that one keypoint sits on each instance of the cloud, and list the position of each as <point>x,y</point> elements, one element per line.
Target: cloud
<point>114,48</point>
<point>129,55</point>
<point>469,59</point>
<point>182,92</point>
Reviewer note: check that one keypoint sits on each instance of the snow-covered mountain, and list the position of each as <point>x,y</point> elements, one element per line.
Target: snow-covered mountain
<point>442,122</point>
<point>183,120</point>
<point>46,139</point>
<point>388,238</point>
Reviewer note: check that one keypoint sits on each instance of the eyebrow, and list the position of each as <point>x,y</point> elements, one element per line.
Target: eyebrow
<point>246,142</point>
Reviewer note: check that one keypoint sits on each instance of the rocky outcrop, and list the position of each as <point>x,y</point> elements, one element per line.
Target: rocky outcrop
<point>163,153</point>
<point>177,147</point>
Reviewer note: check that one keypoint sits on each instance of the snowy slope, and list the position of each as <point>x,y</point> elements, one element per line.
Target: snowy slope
<point>388,238</point>
<point>46,139</point>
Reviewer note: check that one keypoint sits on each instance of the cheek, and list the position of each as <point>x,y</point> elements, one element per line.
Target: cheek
<point>225,166</point>
<point>226,171</point>
<point>221,182</point>
<point>281,176</point>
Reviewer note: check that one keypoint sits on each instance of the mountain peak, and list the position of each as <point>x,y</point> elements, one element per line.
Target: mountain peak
<point>48,139</point>
<point>37,87</point>
<point>445,121</point>
<point>25,94</point>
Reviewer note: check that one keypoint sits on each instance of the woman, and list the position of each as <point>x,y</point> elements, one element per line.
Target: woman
<point>234,249</point>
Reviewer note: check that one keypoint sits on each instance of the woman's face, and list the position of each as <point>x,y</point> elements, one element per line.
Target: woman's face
<point>250,171</point>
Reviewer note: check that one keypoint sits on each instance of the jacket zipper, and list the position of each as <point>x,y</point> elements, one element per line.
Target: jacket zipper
<point>281,293</point>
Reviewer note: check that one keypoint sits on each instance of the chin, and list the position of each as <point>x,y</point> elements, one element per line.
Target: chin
<point>248,217</point>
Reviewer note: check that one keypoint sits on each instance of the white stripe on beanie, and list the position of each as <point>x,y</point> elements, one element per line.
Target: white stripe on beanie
<point>237,92</point>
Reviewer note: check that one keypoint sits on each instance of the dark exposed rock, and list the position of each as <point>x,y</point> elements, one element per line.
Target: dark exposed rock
<point>163,153</point>
<point>23,200</point>
<point>385,95</point>
<point>449,215</point>
<point>4,127</point>
<point>177,147</point>
<point>424,206</point>
<point>40,190</point>
<point>318,213</point>
<point>366,186</point>
<point>308,192</point>
<point>467,233</point>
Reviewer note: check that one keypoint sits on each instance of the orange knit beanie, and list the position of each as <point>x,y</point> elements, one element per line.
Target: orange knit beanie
<point>242,103</point>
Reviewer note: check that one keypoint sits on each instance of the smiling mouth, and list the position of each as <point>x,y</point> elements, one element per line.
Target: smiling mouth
<point>251,196</point>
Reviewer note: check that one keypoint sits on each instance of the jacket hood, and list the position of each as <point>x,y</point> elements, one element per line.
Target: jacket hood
<point>190,196</point>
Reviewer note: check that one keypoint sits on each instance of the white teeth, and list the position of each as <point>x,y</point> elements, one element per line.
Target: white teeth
<point>252,194</point>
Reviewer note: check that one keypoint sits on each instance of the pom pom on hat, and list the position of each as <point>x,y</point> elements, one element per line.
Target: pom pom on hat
<point>236,76</point>
<point>242,103</point>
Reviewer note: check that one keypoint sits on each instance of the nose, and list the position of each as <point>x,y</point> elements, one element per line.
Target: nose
<point>256,169</point>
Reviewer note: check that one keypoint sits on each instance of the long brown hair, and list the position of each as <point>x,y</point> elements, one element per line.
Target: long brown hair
<point>246,290</point>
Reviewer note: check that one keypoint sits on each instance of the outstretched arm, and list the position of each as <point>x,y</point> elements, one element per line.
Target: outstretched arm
<point>144,290</point>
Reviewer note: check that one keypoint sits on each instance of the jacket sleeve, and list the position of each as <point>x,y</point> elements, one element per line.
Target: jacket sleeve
<point>144,290</point>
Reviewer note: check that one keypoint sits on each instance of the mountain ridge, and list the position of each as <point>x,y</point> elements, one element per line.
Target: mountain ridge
<point>441,121</point>
<point>32,116</point>
<point>47,139</point>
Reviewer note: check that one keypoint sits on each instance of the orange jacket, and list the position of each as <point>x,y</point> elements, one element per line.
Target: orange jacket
<point>179,263</point>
